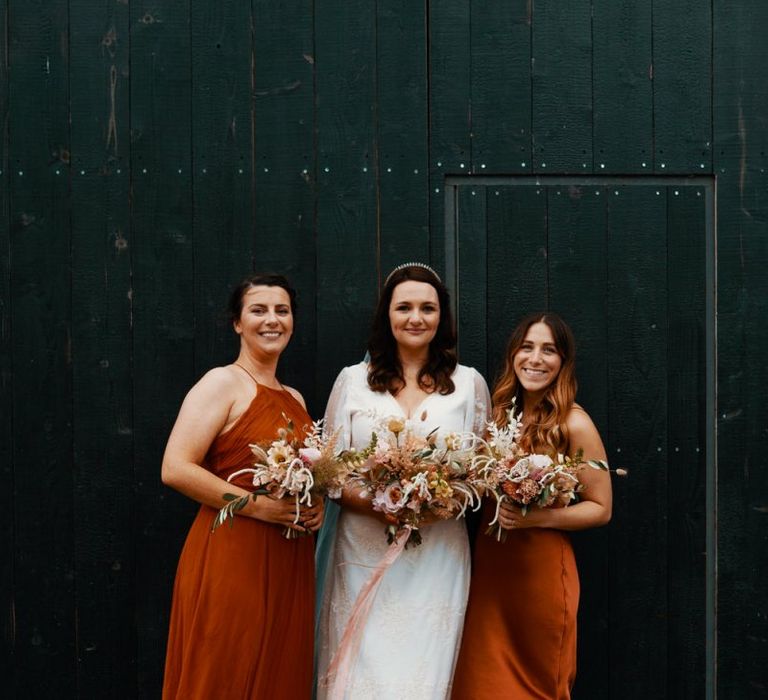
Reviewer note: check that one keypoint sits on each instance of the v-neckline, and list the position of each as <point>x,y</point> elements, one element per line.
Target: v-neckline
<point>416,408</point>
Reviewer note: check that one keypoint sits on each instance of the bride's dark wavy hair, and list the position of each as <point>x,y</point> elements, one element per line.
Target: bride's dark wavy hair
<point>545,423</point>
<point>385,372</point>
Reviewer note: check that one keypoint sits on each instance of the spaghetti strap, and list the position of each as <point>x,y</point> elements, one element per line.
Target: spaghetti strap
<point>237,364</point>
<point>258,383</point>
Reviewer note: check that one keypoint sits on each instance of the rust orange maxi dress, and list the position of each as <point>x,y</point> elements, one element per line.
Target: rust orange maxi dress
<point>519,638</point>
<point>242,618</point>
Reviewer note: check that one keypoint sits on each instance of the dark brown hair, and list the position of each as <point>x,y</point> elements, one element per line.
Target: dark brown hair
<point>235,305</point>
<point>385,372</point>
<point>545,425</point>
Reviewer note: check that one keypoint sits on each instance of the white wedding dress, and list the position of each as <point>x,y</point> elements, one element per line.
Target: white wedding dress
<point>411,639</point>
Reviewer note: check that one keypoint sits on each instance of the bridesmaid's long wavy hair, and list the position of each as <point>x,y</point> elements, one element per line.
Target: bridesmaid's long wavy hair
<point>384,371</point>
<point>545,425</point>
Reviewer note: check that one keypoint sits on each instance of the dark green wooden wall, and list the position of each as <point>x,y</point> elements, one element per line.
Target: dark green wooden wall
<point>152,153</point>
<point>623,259</point>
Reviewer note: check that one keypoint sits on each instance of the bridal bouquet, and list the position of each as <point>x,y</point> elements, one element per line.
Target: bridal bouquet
<point>288,467</point>
<point>410,476</point>
<point>506,472</point>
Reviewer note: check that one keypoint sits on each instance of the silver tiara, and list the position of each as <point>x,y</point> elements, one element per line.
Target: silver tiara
<point>412,264</point>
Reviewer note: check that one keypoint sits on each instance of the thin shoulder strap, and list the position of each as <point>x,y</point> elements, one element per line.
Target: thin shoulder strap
<point>237,364</point>
<point>258,383</point>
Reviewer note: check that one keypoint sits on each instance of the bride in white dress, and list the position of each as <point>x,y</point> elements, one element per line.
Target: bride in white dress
<point>411,637</point>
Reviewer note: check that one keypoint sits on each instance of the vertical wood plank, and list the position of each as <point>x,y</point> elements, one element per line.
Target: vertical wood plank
<point>471,303</point>
<point>450,147</point>
<point>682,86</point>
<point>562,87</point>
<point>347,253</point>
<point>284,170</point>
<point>577,291</point>
<point>636,438</point>
<point>686,522</point>
<point>741,144</point>
<point>622,87</point>
<point>501,86</point>
<point>516,263</point>
<point>402,135</point>
<point>7,594</point>
<point>577,283</point>
<point>101,340</point>
<point>163,304</point>
<point>222,183</point>
<point>39,149</point>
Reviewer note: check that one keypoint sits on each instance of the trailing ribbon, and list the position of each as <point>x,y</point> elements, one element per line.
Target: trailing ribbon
<point>341,664</point>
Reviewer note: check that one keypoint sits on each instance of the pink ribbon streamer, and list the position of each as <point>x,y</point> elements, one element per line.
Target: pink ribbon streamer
<point>341,664</point>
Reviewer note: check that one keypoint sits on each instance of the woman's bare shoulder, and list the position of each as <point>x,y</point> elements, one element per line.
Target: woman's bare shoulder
<point>219,384</point>
<point>578,420</point>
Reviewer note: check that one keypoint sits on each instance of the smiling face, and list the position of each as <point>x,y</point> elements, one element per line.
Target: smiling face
<point>414,314</point>
<point>537,362</point>
<point>266,320</point>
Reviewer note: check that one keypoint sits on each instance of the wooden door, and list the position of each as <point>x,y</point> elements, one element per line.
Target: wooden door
<point>625,262</point>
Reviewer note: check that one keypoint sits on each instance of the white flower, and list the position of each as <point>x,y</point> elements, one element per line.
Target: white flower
<point>540,461</point>
<point>390,500</point>
<point>280,453</point>
<point>453,441</point>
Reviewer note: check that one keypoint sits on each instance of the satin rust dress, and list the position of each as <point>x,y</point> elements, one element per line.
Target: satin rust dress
<point>519,637</point>
<point>242,616</point>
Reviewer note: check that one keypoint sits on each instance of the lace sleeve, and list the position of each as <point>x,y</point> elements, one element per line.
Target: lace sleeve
<point>481,405</point>
<point>337,415</point>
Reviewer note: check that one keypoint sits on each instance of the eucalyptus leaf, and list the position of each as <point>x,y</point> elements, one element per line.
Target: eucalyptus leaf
<point>240,503</point>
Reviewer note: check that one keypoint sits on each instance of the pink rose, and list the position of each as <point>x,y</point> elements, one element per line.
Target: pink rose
<point>390,500</point>
<point>309,455</point>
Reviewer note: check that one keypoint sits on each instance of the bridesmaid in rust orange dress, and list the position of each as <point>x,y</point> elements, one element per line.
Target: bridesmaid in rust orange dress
<point>519,637</point>
<point>243,601</point>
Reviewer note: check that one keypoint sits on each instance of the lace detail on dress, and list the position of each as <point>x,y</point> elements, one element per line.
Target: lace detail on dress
<point>410,642</point>
<point>482,405</point>
<point>336,415</point>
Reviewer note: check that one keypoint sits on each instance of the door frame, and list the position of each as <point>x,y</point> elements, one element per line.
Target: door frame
<point>708,184</point>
